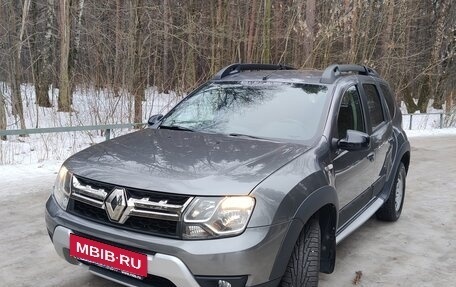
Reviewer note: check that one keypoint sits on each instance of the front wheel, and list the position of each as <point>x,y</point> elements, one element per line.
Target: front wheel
<point>392,208</point>
<point>304,266</point>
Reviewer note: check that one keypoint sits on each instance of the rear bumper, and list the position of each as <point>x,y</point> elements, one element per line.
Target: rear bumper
<point>250,255</point>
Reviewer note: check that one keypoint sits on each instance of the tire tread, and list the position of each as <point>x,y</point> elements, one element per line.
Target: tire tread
<point>304,265</point>
<point>388,210</point>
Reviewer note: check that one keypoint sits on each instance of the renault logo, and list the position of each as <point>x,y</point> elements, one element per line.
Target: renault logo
<point>116,203</point>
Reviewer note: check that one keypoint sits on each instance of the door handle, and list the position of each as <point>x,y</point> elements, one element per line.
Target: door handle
<point>371,156</point>
<point>329,167</point>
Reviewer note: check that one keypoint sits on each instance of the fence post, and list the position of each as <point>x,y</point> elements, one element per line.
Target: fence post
<point>107,134</point>
<point>441,120</point>
<point>410,123</point>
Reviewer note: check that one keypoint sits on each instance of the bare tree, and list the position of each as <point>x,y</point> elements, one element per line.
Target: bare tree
<point>40,52</point>
<point>135,51</point>
<point>64,100</point>
<point>3,122</point>
<point>166,44</point>
<point>118,38</point>
<point>310,29</point>
<point>266,53</point>
<point>437,52</point>
<point>16,98</point>
<point>74,47</point>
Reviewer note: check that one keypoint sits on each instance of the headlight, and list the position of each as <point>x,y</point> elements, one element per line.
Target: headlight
<point>212,217</point>
<point>62,187</point>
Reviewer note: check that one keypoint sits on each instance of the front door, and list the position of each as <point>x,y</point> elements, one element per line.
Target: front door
<point>353,169</point>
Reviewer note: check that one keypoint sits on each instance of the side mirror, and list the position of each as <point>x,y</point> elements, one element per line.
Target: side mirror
<point>354,140</point>
<point>154,119</point>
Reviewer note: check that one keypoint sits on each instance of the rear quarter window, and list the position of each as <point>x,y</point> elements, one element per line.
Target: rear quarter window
<point>390,102</point>
<point>374,104</point>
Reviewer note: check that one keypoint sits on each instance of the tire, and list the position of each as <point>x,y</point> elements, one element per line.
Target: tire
<point>304,266</point>
<point>392,208</point>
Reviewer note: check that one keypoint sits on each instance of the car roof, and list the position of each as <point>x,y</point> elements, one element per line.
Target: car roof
<point>290,76</point>
<point>283,73</point>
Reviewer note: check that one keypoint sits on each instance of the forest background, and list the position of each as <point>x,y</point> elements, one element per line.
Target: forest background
<point>126,47</point>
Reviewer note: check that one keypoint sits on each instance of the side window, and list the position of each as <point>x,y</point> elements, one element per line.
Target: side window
<point>374,104</point>
<point>390,102</point>
<point>350,113</point>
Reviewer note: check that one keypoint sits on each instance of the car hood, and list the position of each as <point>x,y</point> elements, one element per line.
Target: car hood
<point>183,162</point>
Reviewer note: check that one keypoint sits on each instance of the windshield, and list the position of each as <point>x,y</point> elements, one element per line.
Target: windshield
<point>287,111</point>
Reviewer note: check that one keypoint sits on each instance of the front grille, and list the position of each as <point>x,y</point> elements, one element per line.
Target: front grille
<point>137,193</point>
<point>146,211</point>
<point>139,224</point>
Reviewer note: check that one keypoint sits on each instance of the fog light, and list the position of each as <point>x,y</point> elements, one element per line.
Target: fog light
<point>223,283</point>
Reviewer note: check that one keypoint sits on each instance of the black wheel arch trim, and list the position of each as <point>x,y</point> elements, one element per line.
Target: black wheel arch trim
<point>320,198</point>
<point>405,148</point>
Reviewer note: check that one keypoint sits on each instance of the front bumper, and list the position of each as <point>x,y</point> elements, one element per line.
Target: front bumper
<point>161,265</point>
<point>250,254</point>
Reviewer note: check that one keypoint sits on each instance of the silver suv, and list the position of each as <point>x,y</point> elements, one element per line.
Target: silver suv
<point>251,180</point>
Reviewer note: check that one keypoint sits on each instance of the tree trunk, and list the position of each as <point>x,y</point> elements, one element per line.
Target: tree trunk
<point>251,35</point>
<point>425,94</point>
<point>408,100</point>
<point>191,65</point>
<point>437,55</point>
<point>3,122</point>
<point>116,78</point>
<point>310,33</point>
<point>266,53</point>
<point>64,100</point>
<point>347,25</point>
<point>16,98</point>
<point>166,46</point>
<point>387,41</point>
<point>38,60</point>
<point>47,74</point>
<point>352,58</point>
<point>74,47</point>
<point>219,29</point>
<point>136,85</point>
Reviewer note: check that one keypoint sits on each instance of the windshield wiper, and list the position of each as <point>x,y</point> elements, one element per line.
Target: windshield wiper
<point>177,128</point>
<point>244,136</point>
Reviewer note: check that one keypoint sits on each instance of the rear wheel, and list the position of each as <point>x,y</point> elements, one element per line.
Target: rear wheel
<point>304,266</point>
<point>392,208</point>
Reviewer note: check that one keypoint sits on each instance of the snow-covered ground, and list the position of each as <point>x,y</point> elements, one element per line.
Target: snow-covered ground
<point>431,132</point>
<point>428,121</point>
<point>432,119</point>
<point>26,175</point>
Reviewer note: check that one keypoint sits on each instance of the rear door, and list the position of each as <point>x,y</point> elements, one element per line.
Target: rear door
<point>381,134</point>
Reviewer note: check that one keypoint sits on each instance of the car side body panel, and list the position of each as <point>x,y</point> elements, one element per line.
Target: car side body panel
<point>401,153</point>
<point>281,195</point>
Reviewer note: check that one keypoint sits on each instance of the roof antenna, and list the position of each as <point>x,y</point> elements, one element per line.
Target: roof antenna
<point>267,76</point>
<point>281,67</point>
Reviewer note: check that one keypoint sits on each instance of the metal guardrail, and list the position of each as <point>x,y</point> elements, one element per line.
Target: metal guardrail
<point>106,128</point>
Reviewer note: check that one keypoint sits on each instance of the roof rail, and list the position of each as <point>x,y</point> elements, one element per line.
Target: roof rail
<point>372,72</point>
<point>237,68</point>
<point>331,73</point>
